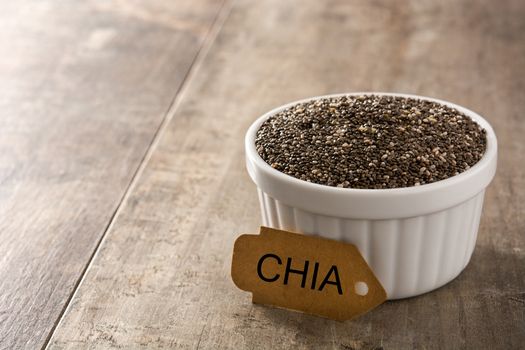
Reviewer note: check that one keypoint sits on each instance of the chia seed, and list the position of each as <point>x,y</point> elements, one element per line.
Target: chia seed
<point>370,142</point>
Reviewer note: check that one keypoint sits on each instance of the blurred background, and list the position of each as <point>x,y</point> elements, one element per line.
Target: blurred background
<point>122,183</point>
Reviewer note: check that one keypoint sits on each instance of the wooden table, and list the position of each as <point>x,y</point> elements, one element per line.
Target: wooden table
<point>122,180</point>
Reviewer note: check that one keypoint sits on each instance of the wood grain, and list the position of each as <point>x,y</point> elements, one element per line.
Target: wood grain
<point>161,277</point>
<point>84,88</point>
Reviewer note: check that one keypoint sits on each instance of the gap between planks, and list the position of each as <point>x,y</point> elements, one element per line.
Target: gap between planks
<point>217,24</point>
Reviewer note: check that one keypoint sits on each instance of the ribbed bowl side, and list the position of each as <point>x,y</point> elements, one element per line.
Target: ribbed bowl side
<point>410,256</point>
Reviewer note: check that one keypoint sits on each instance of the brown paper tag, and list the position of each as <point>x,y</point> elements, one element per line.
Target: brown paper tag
<point>310,274</point>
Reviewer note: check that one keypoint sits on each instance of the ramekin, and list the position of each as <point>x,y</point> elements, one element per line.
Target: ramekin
<point>415,239</point>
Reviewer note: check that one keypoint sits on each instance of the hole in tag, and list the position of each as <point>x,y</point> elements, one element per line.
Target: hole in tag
<point>326,278</point>
<point>361,288</point>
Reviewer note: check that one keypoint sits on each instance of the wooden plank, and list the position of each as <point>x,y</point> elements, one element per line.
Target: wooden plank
<point>161,277</point>
<point>85,86</point>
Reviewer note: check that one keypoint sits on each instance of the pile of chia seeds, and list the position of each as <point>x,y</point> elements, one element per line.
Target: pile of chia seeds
<point>370,141</point>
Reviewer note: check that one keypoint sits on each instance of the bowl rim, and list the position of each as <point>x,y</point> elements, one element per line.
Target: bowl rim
<point>488,156</point>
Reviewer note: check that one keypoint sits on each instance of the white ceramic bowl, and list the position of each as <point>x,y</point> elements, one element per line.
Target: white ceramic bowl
<point>415,239</point>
